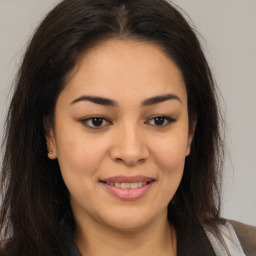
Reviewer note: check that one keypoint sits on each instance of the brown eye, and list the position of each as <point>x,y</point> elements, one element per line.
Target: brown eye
<point>161,120</point>
<point>95,122</point>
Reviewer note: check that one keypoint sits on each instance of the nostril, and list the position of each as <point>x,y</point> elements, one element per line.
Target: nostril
<point>129,154</point>
<point>119,160</point>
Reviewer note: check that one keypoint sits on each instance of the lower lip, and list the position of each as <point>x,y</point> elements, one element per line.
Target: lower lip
<point>128,193</point>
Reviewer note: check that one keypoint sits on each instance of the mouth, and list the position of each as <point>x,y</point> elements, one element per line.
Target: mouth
<point>127,185</point>
<point>128,188</point>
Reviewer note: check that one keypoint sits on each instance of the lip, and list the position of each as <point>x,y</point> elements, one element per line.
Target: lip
<point>128,194</point>
<point>128,179</point>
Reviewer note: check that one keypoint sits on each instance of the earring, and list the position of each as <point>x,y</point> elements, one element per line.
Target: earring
<point>49,151</point>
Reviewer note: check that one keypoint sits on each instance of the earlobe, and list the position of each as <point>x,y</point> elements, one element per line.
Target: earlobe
<point>50,140</point>
<point>50,154</point>
<point>188,146</point>
<point>51,145</point>
<point>191,136</point>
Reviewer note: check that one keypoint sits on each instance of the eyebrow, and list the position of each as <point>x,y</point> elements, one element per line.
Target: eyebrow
<point>109,102</point>
<point>97,100</point>
<point>159,99</point>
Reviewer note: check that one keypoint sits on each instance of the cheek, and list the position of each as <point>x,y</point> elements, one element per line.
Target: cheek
<point>171,163</point>
<point>75,148</point>
<point>170,159</point>
<point>77,159</point>
<point>78,165</point>
<point>170,153</point>
<point>80,158</point>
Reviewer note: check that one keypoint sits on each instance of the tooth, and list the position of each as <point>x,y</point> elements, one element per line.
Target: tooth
<point>134,185</point>
<point>118,184</point>
<point>125,185</point>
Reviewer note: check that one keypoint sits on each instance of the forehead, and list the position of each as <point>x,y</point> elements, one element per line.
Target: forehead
<point>125,69</point>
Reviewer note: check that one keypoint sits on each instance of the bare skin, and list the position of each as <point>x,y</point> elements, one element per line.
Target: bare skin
<point>161,242</point>
<point>141,130</point>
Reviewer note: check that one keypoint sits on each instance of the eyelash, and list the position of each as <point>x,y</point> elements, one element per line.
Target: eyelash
<point>167,120</point>
<point>90,119</point>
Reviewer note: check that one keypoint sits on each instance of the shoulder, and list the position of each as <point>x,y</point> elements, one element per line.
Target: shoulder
<point>246,235</point>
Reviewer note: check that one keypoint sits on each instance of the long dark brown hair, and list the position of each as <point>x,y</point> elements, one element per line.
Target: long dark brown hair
<point>35,201</point>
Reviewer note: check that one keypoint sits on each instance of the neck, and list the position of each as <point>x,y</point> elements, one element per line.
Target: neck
<point>155,239</point>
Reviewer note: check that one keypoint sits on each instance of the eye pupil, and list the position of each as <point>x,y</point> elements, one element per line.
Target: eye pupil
<point>159,120</point>
<point>97,121</point>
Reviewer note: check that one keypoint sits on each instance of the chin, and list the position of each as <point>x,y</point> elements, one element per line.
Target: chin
<point>131,220</point>
<point>128,225</point>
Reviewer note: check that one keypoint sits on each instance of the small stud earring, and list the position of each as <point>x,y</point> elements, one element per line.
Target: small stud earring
<point>49,151</point>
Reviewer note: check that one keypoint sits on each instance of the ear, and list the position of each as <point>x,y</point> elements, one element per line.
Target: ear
<point>191,135</point>
<point>50,139</point>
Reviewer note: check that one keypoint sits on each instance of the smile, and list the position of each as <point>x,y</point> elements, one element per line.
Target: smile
<point>126,185</point>
<point>128,188</point>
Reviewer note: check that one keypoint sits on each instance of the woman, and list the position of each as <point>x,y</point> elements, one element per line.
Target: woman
<point>113,144</point>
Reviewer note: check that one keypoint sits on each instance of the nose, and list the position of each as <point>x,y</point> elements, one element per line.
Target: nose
<point>129,146</point>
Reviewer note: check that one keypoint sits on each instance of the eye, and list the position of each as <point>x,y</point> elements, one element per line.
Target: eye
<point>161,120</point>
<point>95,122</point>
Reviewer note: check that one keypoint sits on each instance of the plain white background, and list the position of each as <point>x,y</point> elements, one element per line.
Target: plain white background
<point>228,36</point>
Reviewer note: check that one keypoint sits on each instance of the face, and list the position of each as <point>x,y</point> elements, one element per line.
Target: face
<point>121,134</point>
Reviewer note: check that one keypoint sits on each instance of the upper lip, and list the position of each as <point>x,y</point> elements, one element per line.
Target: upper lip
<point>128,179</point>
